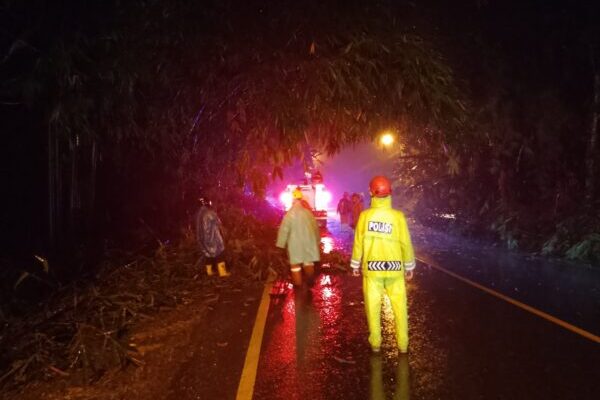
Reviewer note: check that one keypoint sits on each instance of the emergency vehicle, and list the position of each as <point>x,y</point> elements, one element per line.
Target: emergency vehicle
<point>313,193</point>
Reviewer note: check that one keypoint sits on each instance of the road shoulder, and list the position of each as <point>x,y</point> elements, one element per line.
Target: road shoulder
<point>192,350</point>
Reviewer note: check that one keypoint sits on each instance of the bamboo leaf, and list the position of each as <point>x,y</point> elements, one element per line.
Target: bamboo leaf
<point>24,275</point>
<point>44,263</point>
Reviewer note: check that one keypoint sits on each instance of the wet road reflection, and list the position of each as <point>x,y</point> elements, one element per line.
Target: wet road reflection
<point>565,289</point>
<point>464,344</point>
<point>402,387</point>
<point>310,343</point>
<point>327,244</point>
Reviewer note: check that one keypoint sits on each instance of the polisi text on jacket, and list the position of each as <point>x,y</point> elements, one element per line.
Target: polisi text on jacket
<point>380,227</point>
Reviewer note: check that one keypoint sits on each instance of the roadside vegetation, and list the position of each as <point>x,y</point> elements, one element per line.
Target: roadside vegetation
<point>526,174</point>
<point>80,329</point>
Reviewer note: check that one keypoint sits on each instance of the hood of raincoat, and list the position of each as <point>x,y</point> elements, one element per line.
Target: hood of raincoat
<point>381,202</point>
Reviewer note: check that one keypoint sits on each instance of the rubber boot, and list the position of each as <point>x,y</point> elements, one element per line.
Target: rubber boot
<point>222,270</point>
<point>297,276</point>
<point>209,270</point>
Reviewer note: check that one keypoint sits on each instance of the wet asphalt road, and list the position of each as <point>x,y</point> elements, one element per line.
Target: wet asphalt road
<point>465,344</point>
<point>567,290</point>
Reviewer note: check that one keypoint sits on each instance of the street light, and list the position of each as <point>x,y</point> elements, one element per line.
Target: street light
<point>387,139</point>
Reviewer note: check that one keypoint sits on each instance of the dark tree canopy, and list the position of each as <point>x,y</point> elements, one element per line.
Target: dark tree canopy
<point>143,96</point>
<point>129,109</point>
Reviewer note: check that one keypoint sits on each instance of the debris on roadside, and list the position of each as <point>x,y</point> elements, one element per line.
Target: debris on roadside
<point>81,330</point>
<point>344,360</point>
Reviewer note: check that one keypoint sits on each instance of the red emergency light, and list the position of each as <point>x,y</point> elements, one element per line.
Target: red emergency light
<point>316,196</point>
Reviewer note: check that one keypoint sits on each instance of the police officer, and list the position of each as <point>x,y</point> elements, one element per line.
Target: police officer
<point>383,251</point>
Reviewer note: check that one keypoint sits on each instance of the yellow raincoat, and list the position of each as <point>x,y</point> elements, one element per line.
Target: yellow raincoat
<point>383,250</point>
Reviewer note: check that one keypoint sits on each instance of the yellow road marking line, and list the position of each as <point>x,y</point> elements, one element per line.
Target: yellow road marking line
<point>246,388</point>
<point>539,313</point>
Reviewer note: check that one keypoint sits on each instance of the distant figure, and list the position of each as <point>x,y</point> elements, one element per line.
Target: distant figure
<point>344,209</point>
<point>383,251</point>
<point>362,200</point>
<point>209,236</point>
<point>299,233</point>
<point>356,207</point>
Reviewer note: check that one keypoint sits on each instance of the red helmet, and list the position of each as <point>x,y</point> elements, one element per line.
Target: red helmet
<point>380,186</point>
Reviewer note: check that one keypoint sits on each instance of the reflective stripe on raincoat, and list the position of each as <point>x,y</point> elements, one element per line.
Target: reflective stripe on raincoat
<point>382,245</point>
<point>299,232</point>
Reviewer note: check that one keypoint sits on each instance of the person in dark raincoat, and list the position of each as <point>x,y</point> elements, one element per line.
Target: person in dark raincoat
<point>356,207</point>
<point>344,209</point>
<point>299,233</point>
<point>209,236</point>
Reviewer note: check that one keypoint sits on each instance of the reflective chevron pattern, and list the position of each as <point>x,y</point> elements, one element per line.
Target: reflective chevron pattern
<point>384,265</point>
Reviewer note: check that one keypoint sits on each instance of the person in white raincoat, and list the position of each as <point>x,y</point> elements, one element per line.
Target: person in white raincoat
<point>299,233</point>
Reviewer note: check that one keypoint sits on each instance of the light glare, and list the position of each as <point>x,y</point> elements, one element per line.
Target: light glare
<point>286,199</point>
<point>387,139</point>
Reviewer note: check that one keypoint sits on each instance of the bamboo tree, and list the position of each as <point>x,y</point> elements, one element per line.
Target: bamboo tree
<point>175,94</point>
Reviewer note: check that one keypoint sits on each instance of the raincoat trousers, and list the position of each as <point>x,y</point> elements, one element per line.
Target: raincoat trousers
<point>299,232</point>
<point>383,250</point>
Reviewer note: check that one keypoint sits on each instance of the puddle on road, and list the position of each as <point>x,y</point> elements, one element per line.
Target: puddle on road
<point>377,389</point>
<point>327,243</point>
